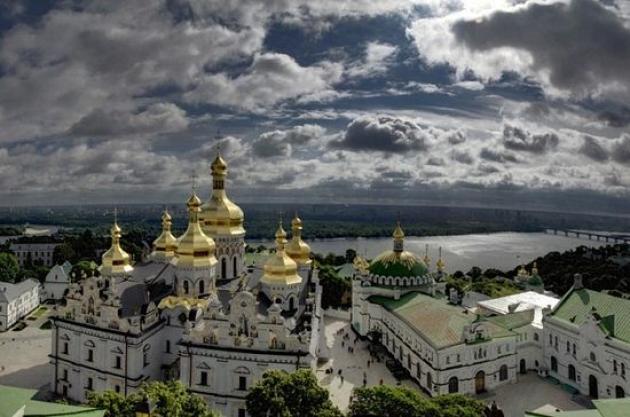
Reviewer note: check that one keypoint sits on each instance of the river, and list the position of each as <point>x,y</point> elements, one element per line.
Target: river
<point>461,252</point>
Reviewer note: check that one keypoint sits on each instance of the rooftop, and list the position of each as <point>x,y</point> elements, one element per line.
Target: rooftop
<point>13,399</point>
<point>10,291</point>
<point>576,307</point>
<point>437,321</point>
<point>524,301</point>
<point>603,408</point>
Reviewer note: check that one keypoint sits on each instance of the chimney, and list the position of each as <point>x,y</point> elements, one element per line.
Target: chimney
<point>577,282</point>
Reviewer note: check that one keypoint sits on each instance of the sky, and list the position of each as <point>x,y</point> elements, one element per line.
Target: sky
<point>510,103</point>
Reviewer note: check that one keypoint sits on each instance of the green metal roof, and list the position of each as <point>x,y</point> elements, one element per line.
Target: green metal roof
<point>438,322</point>
<point>13,398</point>
<point>613,408</point>
<point>388,264</point>
<point>513,321</point>
<point>614,311</point>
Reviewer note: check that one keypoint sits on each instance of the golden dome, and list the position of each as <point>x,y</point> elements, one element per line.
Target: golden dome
<point>220,216</point>
<point>280,268</point>
<point>115,261</point>
<point>194,248</point>
<point>297,249</point>
<point>166,243</point>
<point>440,264</point>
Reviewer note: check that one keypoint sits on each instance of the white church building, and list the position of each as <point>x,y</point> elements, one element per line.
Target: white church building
<point>193,313</point>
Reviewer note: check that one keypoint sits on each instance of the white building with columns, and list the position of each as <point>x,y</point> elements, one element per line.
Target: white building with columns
<point>192,313</point>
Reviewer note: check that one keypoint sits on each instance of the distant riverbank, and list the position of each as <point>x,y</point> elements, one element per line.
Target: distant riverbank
<point>503,251</point>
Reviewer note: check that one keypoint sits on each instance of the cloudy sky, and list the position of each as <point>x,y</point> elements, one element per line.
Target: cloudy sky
<point>522,103</point>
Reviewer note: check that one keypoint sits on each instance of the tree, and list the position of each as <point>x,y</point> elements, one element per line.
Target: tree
<point>9,267</point>
<point>350,255</point>
<point>334,287</point>
<point>171,399</point>
<point>64,252</point>
<point>283,394</point>
<point>391,401</point>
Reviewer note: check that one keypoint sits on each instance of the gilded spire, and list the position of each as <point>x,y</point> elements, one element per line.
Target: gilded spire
<point>220,216</point>
<point>426,259</point>
<point>165,245</point>
<point>399,237</point>
<point>194,248</point>
<point>280,268</point>
<point>115,261</point>
<point>297,249</point>
<point>440,263</point>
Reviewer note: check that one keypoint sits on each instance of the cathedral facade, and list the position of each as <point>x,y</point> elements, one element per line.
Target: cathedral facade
<point>194,312</point>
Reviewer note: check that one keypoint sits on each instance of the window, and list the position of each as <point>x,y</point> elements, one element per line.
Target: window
<point>574,349</point>
<point>242,412</point>
<point>90,384</point>
<point>118,362</point>
<point>536,337</point>
<point>459,358</point>
<point>453,385</point>
<point>568,347</point>
<point>242,383</point>
<point>555,342</point>
<point>223,268</point>
<point>615,365</point>
<point>503,373</point>
<point>117,388</point>
<point>554,364</point>
<point>572,372</point>
<point>202,287</point>
<point>203,378</point>
<point>65,375</point>
<point>623,370</point>
<point>145,359</point>
<point>234,266</point>
<point>418,370</point>
<point>90,355</point>
<point>168,346</point>
<point>550,340</point>
<point>185,287</point>
<point>499,349</point>
<point>65,348</point>
<point>429,381</point>
<point>593,357</point>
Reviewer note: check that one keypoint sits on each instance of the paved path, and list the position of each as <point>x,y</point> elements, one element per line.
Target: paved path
<point>352,365</point>
<point>24,355</point>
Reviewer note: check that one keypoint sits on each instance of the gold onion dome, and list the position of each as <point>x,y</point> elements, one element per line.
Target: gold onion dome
<point>115,261</point>
<point>220,215</point>
<point>280,268</point>
<point>194,247</point>
<point>398,262</point>
<point>440,264</point>
<point>165,242</point>
<point>297,249</point>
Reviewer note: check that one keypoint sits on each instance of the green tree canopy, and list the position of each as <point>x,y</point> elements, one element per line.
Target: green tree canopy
<point>391,401</point>
<point>171,399</point>
<point>283,394</point>
<point>9,267</point>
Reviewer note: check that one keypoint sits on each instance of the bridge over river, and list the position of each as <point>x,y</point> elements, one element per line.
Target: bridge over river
<point>608,237</point>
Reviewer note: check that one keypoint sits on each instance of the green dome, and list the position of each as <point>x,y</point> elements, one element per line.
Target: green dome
<point>398,264</point>
<point>535,281</point>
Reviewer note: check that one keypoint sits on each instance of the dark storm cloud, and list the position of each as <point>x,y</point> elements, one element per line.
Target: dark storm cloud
<point>621,151</point>
<point>593,149</point>
<point>497,156</point>
<point>581,44</point>
<point>519,139</point>
<point>456,138</point>
<point>386,134</point>
<point>616,118</point>
<point>462,157</point>
<point>281,142</point>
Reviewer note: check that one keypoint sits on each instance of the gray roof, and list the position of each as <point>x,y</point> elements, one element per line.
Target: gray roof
<point>10,292</point>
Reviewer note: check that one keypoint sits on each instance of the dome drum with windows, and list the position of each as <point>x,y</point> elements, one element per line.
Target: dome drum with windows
<point>397,264</point>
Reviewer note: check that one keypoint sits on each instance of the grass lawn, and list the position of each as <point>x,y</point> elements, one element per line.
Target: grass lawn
<point>38,313</point>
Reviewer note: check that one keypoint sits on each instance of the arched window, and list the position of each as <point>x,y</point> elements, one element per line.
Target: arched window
<point>593,357</point>
<point>185,287</point>
<point>623,369</point>
<point>619,392</point>
<point>453,385</point>
<point>503,373</point>
<point>429,381</point>
<point>223,268</point>
<point>202,287</point>
<point>554,364</point>
<point>572,372</point>
<point>418,370</point>
<point>234,267</point>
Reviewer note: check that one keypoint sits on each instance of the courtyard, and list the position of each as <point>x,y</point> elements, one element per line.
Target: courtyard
<point>529,393</point>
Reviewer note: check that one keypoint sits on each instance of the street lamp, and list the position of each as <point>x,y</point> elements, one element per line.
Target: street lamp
<point>145,408</point>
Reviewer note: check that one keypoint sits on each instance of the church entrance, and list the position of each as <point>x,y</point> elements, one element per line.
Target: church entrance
<point>593,390</point>
<point>480,382</point>
<point>619,392</point>
<point>523,366</point>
